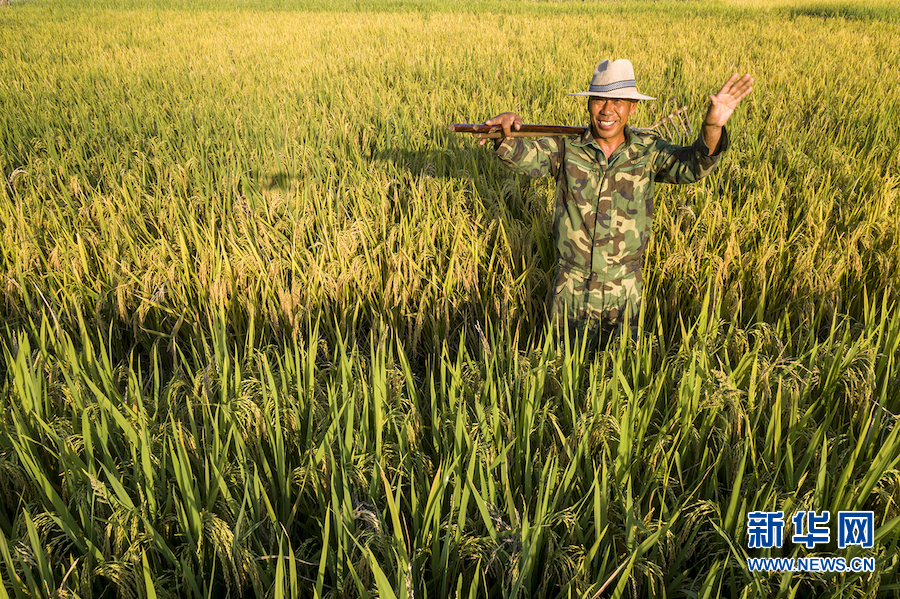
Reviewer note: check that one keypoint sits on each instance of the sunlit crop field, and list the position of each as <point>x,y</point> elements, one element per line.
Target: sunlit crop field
<point>270,330</point>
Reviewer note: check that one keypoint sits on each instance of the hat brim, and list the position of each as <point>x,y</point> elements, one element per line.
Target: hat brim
<point>624,94</point>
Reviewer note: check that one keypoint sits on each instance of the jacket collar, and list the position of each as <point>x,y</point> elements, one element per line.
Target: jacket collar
<point>632,141</point>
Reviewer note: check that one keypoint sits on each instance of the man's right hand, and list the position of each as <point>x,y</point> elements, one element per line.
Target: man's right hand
<point>507,121</point>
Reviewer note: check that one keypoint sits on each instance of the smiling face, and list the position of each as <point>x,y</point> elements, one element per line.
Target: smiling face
<point>609,117</point>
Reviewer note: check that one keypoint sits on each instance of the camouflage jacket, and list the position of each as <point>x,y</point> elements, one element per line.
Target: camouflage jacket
<point>604,211</point>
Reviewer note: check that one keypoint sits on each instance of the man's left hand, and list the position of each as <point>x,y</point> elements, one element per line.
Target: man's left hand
<point>722,105</point>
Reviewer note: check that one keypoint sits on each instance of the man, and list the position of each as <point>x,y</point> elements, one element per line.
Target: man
<point>604,199</point>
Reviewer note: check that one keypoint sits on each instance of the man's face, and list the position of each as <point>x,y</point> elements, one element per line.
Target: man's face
<point>609,117</point>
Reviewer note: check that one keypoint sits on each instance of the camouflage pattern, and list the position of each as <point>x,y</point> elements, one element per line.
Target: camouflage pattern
<point>603,215</point>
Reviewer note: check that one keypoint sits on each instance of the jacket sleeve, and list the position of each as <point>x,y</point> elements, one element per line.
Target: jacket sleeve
<point>686,164</point>
<point>533,157</point>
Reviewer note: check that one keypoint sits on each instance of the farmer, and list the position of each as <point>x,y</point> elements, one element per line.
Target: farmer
<point>604,199</point>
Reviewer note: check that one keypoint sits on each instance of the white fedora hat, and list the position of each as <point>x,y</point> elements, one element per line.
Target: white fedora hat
<point>614,80</point>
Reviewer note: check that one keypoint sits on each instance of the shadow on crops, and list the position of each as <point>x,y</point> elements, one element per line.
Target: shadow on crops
<point>847,12</point>
<point>438,153</point>
<point>472,171</point>
<point>280,180</point>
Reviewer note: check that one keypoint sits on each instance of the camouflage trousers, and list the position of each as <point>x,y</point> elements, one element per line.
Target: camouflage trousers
<point>586,305</point>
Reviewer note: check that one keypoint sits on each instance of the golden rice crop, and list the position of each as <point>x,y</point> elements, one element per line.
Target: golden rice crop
<point>270,329</point>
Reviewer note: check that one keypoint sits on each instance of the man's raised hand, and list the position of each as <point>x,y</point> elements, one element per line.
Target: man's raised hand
<point>722,105</point>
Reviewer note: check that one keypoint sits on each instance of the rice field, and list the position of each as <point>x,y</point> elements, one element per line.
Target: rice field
<point>270,330</point>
